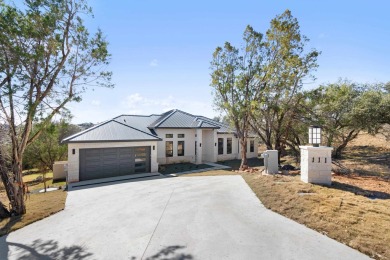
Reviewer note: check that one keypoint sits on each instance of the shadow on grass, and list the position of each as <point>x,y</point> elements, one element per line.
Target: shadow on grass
<point>359,191</point>
<point>11,222</point>
<point>369,154</point>
<point>40,249</point>
<point>235,164</point>
<point>169,253</point>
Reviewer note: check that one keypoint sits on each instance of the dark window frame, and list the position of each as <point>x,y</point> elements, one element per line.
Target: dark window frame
<point>251,146</point>
<point>229,145</point>
<point>220,145</point>
<point>180,135</point>
<point>168,152</point>
<point>180,152</point>
<point>168,135</point>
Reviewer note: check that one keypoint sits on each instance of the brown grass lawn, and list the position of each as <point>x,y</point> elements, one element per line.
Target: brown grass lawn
<point>38,206</point>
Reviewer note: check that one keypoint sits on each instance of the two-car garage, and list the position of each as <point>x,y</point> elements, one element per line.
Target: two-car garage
<point>111,149</point>
<point>96,163</point>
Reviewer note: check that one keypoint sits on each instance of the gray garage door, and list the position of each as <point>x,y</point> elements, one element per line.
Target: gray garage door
<point>109,162</point>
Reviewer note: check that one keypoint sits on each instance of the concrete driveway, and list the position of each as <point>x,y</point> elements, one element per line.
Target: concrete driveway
<point>170,218</point>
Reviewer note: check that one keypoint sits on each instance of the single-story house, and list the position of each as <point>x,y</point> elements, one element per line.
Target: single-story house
<point>130,144</point>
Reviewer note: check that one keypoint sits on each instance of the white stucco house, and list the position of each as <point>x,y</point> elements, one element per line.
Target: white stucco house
<point>131,144</point>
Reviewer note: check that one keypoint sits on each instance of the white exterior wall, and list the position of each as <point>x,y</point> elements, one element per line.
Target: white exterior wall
<point>235,149</point>
<point>255,152</point>
<point>189,145</point>
<point>73,159</point>
<point>208,146</point>
<point>316,164</point>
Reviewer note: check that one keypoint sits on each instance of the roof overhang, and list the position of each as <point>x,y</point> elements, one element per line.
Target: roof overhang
<point>114,141</point>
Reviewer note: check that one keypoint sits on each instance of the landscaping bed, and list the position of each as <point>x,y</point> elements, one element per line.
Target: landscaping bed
<point>181,167</point>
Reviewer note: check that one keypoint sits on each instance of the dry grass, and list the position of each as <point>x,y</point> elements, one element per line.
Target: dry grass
<point>368,155</point>
<point>38,206</point>
<point>33,186</point>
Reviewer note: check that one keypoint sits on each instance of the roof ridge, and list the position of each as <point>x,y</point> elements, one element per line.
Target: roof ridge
<point>137,115</point>
<point>135,128</point>
<point>214,122</point>
<point>165,118</point>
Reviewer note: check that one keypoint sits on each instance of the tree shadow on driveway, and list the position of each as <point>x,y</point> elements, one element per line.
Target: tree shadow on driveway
<point>41,249</point>
<point>169,253</point>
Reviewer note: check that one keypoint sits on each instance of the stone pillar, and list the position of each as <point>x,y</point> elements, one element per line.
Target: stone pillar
<point>316,164</point>
<point>271,161</point>
<point>199,146</point>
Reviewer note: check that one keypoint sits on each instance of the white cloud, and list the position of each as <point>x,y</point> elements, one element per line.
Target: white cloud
<point>154,63</point>
<point>95,103</point>
<point>133,100</point>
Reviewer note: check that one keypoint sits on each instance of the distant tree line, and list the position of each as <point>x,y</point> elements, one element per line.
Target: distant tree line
<point>48,148</point>
<point>259,87</point>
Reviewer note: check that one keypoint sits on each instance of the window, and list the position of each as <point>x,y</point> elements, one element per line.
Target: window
<point>251,146</point>
<point>229,146</point>
<point>180,135</point>
<point>168,135</point>
<point>220,145</point>
<point>169,149</point>
<point>180,148</point>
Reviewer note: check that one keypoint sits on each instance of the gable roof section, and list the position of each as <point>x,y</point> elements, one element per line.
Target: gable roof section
<point>179,119</point>
<point>111,131</point>
<point>130,128</point>
<point>223,127</point>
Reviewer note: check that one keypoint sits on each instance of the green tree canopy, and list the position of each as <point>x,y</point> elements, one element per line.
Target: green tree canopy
<point>48,58</point>
<point>345,108</point>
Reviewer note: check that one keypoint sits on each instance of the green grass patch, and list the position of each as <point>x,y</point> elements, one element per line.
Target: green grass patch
<point>181,167</point>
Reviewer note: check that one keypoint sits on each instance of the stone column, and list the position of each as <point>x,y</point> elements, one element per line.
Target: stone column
<point>316,164</point>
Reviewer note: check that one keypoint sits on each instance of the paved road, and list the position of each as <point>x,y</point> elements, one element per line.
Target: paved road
<point>170,218</point>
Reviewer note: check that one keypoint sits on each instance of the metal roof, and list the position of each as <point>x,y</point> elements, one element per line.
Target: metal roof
<point>179,119</point>
<point>137,127</point>
<point>111,131</point>
<point>138,121</point>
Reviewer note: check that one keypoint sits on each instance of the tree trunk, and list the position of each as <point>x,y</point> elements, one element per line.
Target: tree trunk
<point>13,184</point>
<point>338,151</point>
<point>18,205</point>
<point>4,213</point>
<point>244,161</point>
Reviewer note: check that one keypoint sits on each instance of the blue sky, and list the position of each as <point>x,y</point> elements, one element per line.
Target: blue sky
<point>161,50</point>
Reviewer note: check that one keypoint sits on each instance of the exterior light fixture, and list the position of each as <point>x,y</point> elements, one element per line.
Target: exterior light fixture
<point>315,135</point>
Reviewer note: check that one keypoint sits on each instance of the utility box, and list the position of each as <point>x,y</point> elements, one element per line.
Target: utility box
<point>316,164</point>
<point>60,170</point>
<point>271,163</point>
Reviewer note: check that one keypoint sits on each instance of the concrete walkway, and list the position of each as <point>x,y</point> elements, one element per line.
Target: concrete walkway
<point>169,218</point>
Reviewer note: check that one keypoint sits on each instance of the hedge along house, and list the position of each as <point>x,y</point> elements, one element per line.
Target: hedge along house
<point>132,144</point>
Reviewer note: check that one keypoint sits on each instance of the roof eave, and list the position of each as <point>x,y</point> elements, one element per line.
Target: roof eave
<point>114,141</point>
